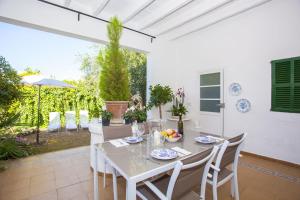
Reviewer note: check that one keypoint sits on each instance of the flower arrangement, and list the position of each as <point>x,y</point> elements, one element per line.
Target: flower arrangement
<point>136,111</point>
<point>178,108</point>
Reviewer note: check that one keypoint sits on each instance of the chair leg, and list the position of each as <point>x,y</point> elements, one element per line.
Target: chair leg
<point>104,175</point>
<point>236,188</point>
<point>232,188</point>
<point>214,191</point>
<point>115,184</point>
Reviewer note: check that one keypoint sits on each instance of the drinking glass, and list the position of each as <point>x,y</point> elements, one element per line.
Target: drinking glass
<point>140,129</point>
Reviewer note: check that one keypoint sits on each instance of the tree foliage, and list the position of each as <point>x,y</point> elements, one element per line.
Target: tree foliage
<point>9,93</point>
<point>137,68</point>
<point>160,95</point>
<point>114,82</point>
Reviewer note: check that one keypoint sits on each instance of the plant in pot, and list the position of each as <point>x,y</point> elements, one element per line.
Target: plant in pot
<point>114,80</point>
<point>178,108</point>
<point>106,117</point>
<point>140,115</point>
<point>159,96</point>
<point>128,116</point>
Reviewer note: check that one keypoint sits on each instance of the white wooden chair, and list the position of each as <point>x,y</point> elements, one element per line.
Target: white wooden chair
<point>228,155</point>
<point>83,119</point>
<point>54,121</point>
<point>71,120</point>
<point>186,175</point>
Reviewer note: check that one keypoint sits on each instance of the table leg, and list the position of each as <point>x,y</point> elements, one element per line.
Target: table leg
<point>115,184</point>
<point>96,183</point>
<point>130,190</point>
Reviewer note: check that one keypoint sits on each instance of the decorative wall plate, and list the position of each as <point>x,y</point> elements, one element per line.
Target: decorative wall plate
<point>243,105</point>
<point>235,89</point>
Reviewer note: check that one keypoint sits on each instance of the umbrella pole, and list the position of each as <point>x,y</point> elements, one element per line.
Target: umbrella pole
<point>38,121</point>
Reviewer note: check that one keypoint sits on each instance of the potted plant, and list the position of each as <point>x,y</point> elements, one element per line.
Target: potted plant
<point>178,108</point>
<point>140,115</point>
<point>106,117</point>
<point>114,80</point>
<point>159,96</point>
<point>128,116</point>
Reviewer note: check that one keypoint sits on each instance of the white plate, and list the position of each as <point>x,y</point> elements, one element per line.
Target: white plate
<point>235,89</point>
<point>243,105</point>
<point>133,140</point>
<point>164,154</point>
<point>205,140</point>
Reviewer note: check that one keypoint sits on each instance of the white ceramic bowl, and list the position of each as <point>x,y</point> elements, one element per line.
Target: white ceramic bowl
<point>174,139</point>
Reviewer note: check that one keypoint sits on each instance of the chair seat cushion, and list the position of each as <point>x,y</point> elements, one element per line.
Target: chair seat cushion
<point>222,174</point>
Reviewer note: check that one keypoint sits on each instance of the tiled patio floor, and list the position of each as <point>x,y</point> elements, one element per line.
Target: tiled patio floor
<point>66,175</point>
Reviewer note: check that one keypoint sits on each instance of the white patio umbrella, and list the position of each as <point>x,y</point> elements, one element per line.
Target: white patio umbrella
<point>40,81</point>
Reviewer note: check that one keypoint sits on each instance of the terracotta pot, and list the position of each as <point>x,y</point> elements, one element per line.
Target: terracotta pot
<point>117,108</point>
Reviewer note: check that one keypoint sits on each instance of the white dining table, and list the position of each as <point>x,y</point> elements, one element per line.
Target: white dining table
<point>135,164</point>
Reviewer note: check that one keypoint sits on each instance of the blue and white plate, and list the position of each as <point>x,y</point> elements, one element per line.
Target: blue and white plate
<point>205,140</point>
<point>235,89</point>
<point>133,140</point>
<point>243,105</point>
<point>164,154</point>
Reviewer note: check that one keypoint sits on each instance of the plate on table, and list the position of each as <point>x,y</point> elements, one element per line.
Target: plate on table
<point>205,140</point>
<point>164,154</point>
<point>133,140</point>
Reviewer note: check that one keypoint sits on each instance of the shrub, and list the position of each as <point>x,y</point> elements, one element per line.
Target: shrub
<point>10,148</point>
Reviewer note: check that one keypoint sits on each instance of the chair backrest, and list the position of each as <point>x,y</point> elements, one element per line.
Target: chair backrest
<point>83,118</point>
<point>54,120</point>
<point>190,172</point>
<point>114,132</point>
<point>231,150</point>
<point>70,117</point>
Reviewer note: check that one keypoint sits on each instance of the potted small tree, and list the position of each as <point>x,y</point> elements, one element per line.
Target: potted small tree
<point>106,117</point>
<point>114,81</point>
<point>159,96</point>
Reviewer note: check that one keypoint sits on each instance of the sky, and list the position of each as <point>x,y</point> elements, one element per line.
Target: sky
<point>54,55</point>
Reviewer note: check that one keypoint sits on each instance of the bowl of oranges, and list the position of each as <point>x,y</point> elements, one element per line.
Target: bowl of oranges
<point>171,135</point>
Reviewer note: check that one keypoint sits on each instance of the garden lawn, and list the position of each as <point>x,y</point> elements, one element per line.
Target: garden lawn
<point>55,141</point>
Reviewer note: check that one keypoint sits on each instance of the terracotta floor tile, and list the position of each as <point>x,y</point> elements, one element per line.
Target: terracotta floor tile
<point>19,194</point>
<point>15,185</point>
<point>69,192</point>
<point>42,178</point>
<point>63,181</point>
<point>43,187</point>
<point>52,195</point>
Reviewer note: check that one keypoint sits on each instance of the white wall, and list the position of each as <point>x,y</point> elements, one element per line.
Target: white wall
<point>38,15</point>
<point>243,46</point>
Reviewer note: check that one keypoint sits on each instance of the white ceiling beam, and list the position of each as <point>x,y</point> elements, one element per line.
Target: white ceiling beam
<point>137,11</point>
<point>180,6</point>
<point>221,19</point>
<point>101,7</point>
<point>67,3</point>
<point>196,16</point>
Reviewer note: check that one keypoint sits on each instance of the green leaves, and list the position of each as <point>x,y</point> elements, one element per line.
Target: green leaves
<point>160,95</point>
<point>114,81</point>
<point>10,93</point>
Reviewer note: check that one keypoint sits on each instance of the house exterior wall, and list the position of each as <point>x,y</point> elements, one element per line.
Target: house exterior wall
<point>243,47</point>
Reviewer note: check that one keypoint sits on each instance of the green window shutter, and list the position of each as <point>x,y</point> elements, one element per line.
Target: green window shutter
<point>296,85</point>
<point>286,85</point>
<point>281,88</point>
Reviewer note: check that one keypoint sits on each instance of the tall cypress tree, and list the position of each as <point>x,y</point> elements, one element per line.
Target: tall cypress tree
<point>114,81</point>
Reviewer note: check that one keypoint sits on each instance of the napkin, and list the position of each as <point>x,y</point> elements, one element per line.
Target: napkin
<point>181,152</point>
<point>118,143</point>
<point>216,138</point>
